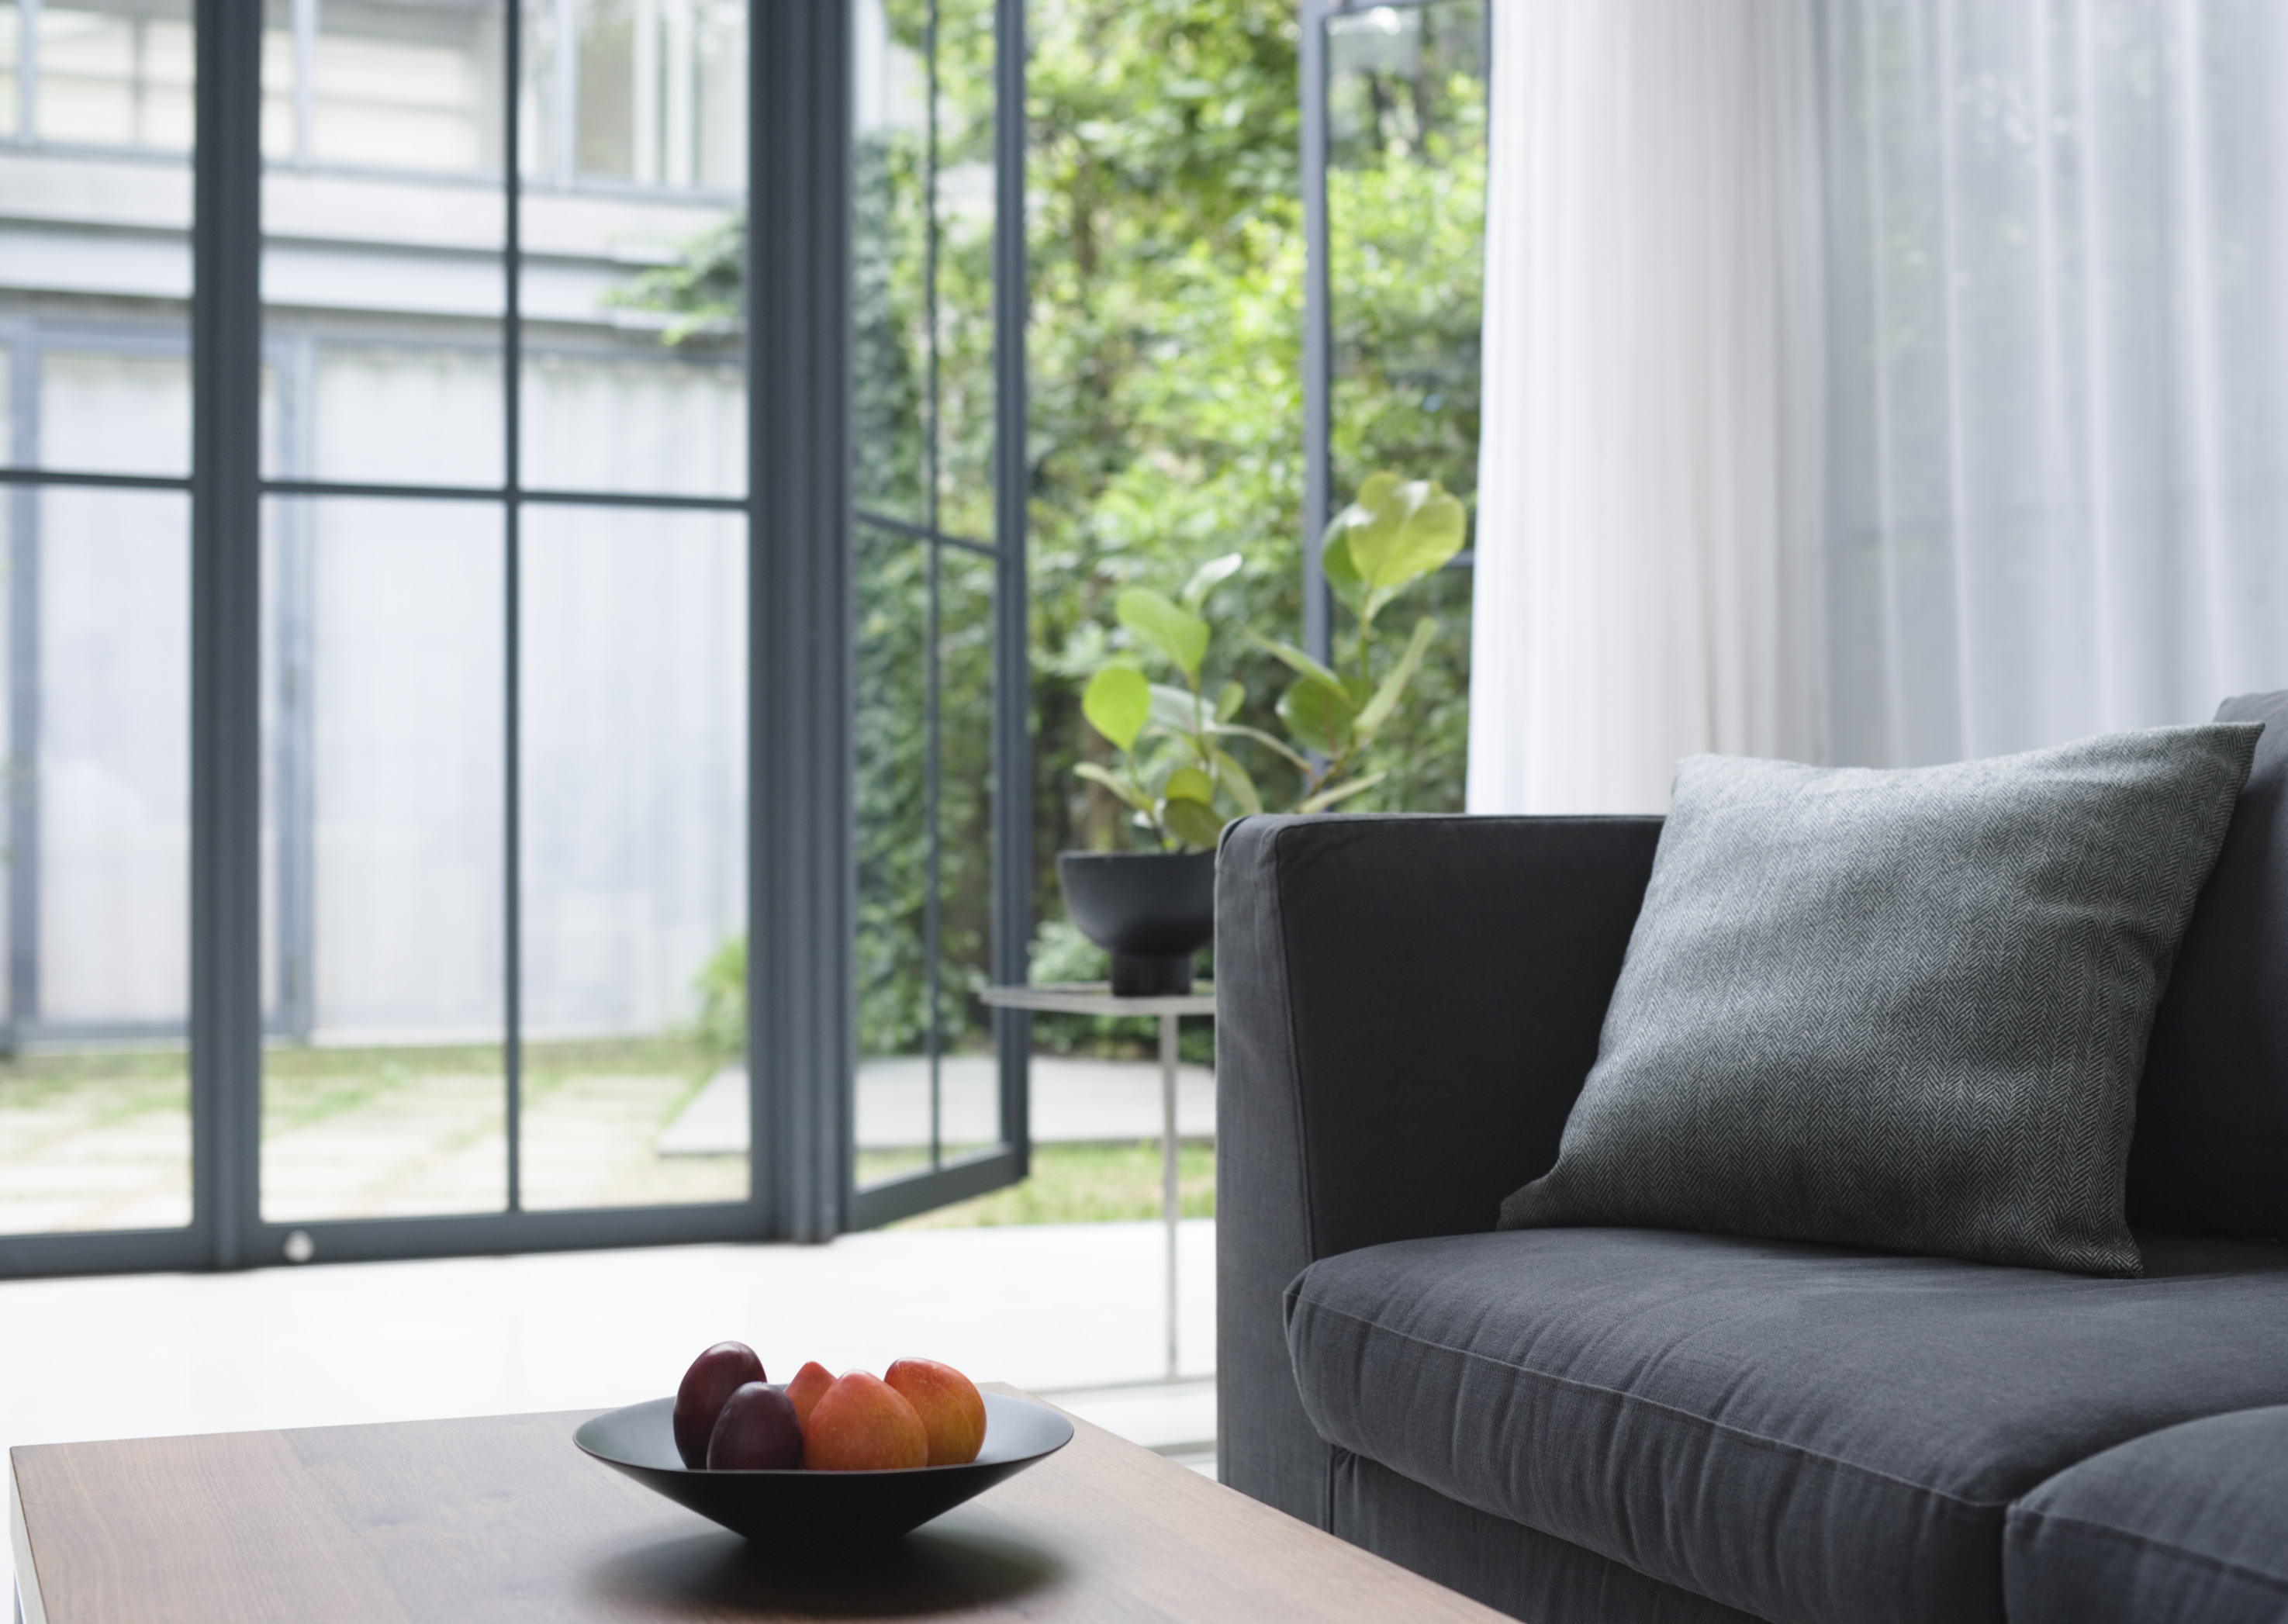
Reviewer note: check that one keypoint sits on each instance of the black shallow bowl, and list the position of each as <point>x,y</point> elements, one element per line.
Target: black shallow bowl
<point>1145,904</point>
<point>809,1508</point>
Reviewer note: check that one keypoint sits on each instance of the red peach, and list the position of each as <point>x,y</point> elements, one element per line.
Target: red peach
<point>863,1424</point>
<point>952,1411</point>
<point>811,1381</point>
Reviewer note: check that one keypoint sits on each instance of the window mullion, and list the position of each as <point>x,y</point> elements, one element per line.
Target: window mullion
<point>512,564</point>
<point>1012,757</point>
<point>802,1019</point>
<point>225,631</point>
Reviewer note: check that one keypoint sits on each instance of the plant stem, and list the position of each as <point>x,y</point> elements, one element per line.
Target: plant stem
<point>1151,817</point>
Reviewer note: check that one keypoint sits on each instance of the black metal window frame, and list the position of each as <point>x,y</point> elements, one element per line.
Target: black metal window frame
<point>948,1179</point>
<point>1318,308</point>
<point>800,762</point>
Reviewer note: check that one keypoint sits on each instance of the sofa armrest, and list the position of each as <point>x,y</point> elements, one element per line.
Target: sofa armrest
<point>1405,1009</point>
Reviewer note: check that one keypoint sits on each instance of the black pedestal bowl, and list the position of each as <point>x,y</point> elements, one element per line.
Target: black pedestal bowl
<point>1150,910</point>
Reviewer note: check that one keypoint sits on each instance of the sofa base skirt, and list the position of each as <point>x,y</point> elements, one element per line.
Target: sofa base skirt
<point>1521,1571</point>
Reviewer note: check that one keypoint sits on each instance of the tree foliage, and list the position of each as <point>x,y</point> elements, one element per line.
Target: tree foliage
<point>1165,232</point>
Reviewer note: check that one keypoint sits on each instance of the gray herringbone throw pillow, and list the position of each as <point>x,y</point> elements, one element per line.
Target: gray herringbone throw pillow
<point>1904,1009</point>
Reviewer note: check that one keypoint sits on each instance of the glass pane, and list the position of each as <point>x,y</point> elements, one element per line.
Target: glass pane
<point>12,23</point>
<point>1406,183</point>
<point>652,91</point>
<point>969,1078</point>
<point>95,285</point>
<point>637,380</point>
<point>1406,178</point>
<point>400,86</point>
<point>965,196</point>
<point>115,75</point>
<point>928,1085</point>
<point>604,79</point>
<point>638,414</point>
<point>409,412</point>
<point>895,1071</point>
<point>384,781</point>
<point>382,272</point>
<point>889,259</point>
<point>923,407</point>
<point>717,115</point>
<point>282,127</point>
<point>634,771</point>
<point>110,404</point>
<point>384,85</point>
<point>94,1100</point>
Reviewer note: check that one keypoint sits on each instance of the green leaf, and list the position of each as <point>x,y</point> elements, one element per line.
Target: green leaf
<point>1120,786</point>
<point>1296,660</point>
<point>1193,822</point>
<point>1378,709</point>
<point>1236,780</point>
<point>1117,702</point>
<point>1189,784</point>
<point>1376,488</point>
<point>1175,709</point>
<point>1399,531</point>
<point>1229,700</point>
<point>1209,576</point>
<point>1176,633</point>
<point>1342,574</point>
<point>1328,797</point>
<point>1316,716</point>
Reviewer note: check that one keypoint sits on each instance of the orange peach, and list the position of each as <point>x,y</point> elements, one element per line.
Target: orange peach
<point>863,1424</point>
<point>811,1380</point>
<point>952,1411</point>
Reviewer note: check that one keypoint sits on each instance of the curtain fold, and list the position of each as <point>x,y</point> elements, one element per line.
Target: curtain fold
<point>2058,388</point>
<point>1648,474</point>
<point>2034,486</point>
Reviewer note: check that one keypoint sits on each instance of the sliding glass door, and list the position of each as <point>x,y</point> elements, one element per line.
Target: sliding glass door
<point>504,750</point>
<point>437,628</point>
<point>938,481</point>
<point>95,438</point>
<point>1395,127</point>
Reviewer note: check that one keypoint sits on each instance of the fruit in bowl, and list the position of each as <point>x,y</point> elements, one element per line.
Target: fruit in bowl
<point>757,1432</point>
<point>952,1411</point>
<point>728,1416</point>
<point>863,1424</point>
<point>807,1510</point>
<point>707,1386</point>
<point>811,1381</point>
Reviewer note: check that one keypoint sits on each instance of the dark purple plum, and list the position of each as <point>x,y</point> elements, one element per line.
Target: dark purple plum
<point>757,1432</point>
<point>713,1377</point>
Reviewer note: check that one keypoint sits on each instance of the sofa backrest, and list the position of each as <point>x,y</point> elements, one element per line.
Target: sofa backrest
<point>2210,1151</point>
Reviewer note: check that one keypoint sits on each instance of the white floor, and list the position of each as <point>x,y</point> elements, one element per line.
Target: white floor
<point>1073,1311</point>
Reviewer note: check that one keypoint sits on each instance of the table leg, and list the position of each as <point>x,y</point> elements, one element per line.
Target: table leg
<point>1168,1167</point>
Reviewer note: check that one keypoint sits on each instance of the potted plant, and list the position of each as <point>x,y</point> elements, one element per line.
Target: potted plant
<point>1154,906</point>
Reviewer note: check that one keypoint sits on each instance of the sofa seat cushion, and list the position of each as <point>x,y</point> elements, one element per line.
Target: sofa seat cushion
<point>1802,1432</point>
<point>2186,1525</point>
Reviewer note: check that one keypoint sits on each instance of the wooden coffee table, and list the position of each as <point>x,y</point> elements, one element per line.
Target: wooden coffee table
<point>501,1518</point>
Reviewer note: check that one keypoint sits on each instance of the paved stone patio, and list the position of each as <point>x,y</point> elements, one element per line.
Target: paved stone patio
<point>423,1133</point>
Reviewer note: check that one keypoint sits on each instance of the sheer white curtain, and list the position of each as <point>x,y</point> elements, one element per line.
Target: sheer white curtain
<point>2051,421</point>
<point>2057,281</point>
<point>1648,489</point>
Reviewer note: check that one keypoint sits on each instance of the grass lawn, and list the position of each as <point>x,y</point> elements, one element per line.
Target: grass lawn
<point>1087,1183</point>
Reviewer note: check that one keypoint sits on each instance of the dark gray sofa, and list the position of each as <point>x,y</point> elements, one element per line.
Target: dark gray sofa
<point>1596,1424</point>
